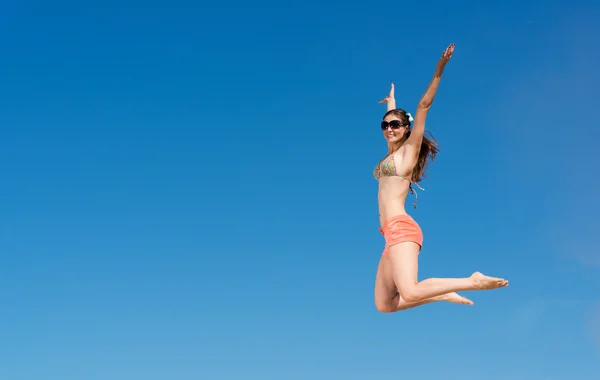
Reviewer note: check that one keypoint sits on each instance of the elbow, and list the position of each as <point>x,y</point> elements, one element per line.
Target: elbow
<point>424,105</point>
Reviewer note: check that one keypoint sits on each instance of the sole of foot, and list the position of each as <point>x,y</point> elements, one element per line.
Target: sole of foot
<point>457,299</point>
<point>483,282</point>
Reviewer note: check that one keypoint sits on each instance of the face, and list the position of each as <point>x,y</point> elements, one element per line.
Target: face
<point>393,129</point>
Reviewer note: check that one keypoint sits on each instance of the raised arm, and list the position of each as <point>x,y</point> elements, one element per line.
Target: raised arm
<point>418,129</point>
<point>390,99</point>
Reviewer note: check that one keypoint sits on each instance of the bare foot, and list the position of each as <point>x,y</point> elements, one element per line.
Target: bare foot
<point>456,298</point>
<point>483,282</point>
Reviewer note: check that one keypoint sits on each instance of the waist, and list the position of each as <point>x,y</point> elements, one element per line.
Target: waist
<point>392,194</point>
<point>389,208</point>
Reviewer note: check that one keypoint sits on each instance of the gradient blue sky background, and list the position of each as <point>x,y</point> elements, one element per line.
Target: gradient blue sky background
<point>187,189</point>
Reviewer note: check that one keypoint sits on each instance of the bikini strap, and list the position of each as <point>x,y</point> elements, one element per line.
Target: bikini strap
<point>412,191</point>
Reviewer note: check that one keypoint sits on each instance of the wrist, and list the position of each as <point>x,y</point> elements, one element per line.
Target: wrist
<point>439,69</point>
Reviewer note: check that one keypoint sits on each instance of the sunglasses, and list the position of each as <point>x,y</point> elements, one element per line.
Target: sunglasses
<point>394,124</point>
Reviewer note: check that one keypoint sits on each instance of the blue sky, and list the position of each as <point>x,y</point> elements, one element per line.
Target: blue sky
<point>188,189</point>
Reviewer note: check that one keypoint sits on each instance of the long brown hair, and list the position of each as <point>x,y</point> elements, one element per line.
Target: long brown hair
<point>429,147</point>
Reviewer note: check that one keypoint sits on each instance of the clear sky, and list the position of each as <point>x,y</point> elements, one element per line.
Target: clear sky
<point>187,189</point>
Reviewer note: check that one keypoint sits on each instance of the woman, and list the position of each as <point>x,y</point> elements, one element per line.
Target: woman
<point>396,286</point>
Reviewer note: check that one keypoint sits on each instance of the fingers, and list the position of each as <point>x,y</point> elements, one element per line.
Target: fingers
<point>447,54</point>
<point>450,49</point>
<point>390,95</point>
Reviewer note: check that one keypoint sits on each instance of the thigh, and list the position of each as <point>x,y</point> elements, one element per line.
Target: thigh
<point>404,259</point>
<point>385,287</point>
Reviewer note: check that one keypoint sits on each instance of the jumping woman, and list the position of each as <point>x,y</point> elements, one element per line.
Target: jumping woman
<point>396,285</point>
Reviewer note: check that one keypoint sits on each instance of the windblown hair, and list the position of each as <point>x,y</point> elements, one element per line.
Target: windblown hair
<point>429,147</point>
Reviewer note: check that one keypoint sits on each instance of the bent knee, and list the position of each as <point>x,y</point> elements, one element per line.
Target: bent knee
<point>385,306</point>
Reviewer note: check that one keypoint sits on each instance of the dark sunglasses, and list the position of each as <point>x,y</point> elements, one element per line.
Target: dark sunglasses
<point>394,124</point>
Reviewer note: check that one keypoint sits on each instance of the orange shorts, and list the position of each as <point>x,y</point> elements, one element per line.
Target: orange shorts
<point>401,228</point>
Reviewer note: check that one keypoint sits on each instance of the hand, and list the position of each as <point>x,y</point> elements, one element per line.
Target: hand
<point>446,55</point>
<point>389,97</point>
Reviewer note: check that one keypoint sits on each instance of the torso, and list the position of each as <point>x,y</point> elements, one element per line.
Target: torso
<point>394,184</point>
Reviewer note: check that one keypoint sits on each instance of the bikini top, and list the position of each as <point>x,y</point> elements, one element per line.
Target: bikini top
<point>387,168</point>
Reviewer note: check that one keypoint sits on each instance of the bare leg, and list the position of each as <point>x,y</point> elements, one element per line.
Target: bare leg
<point>405,264</point>
<point>448,297</point>
<point>387,298</point>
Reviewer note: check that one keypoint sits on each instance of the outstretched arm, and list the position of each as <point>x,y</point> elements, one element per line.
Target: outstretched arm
<point>416,134</point>
<point>390,99</point>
